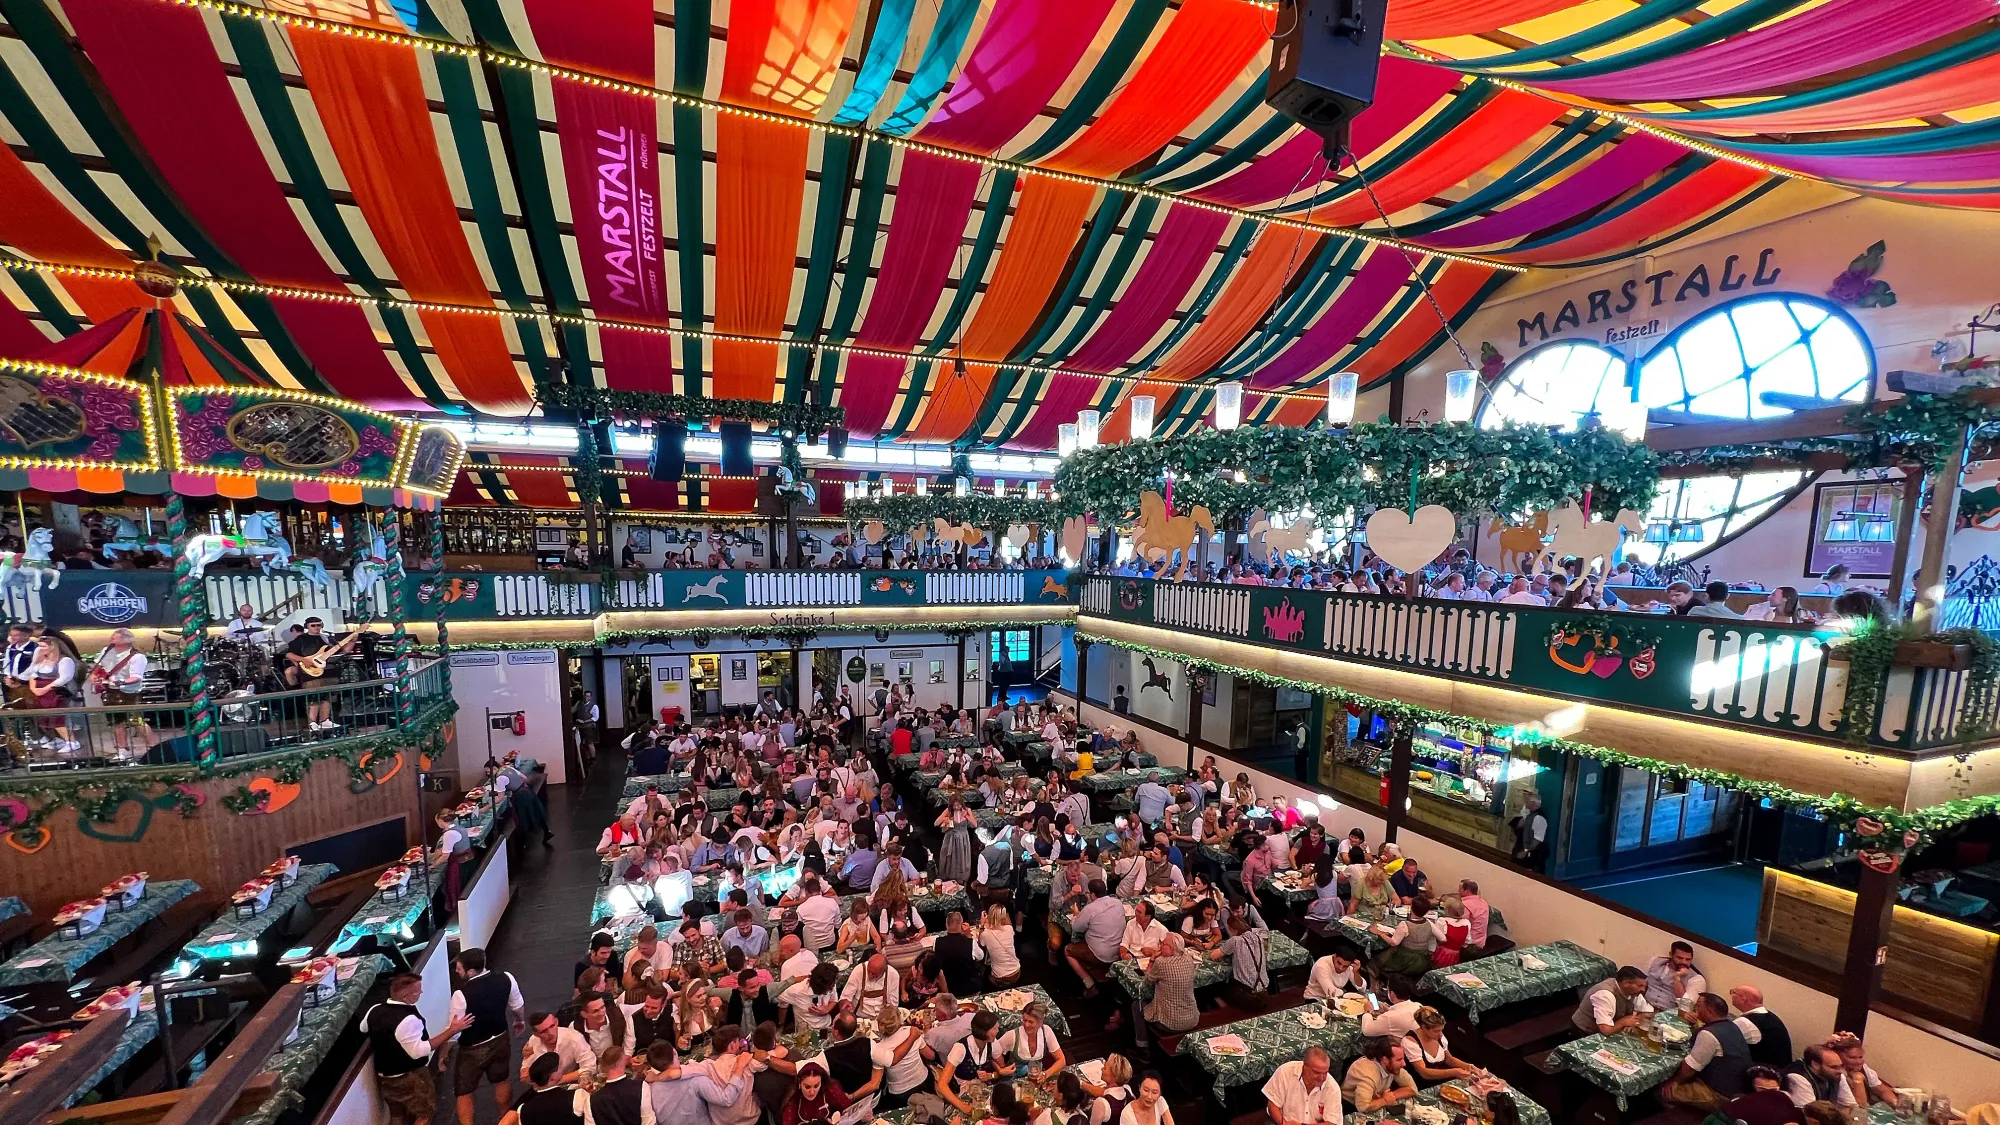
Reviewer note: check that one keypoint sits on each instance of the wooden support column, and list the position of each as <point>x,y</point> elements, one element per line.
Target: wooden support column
<point>1082,672</point>
<point>1906,527</point>
<point>1867,948</point>
<point>1399,781</point>
<point>961,637</point>
<point>1944,492</point>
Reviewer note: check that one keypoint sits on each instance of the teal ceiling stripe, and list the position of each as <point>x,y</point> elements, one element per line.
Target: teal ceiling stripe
<point>1120,267</point>
<point>1409,298</point>
<point>878,63</point>
<point>1105,79</point>
<point>1238,112</point>
<point>1674,177</point>
<point>45,37</point>
<point>1735,205</point>
<point>1021,409</point>
<point>1097,233</point>
<point>43,298</point>
<point>275,108</point>
<point>999,192</point>
<point>836,183</point>
<point>48,147</point>
<point>860,260</point>
<point>691,24</point>
<point>1714,29</point>
<point>1648,14</point>
<point>209,312</point>
<point>1915,142</point>
<point>934,68</point>
<point>1252,147</point>
<point>1455,113</point>
<point>1218,278</point>
<point>1437,339</point>
<point>1555,155</point>
<point>1335,261</point>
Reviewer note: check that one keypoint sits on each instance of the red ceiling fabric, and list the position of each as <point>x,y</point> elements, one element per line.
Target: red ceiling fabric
<point>1495,129</point>
<point>1367,292</point>
<point>158,64</point>
<point>647,494</point>
<point>18,334</point>
<point>611,167</point>
<point>370,99</point>
<point>1458,284</point>
<point>540,487</point>
<point>730,495</point>
<point>1700,193</point>
<point>1117,423</point>
<point>1279,253</point>
<point>1440,19</point>
<point>465,493</point>
<point>38,224</point>
<point>782,58</point>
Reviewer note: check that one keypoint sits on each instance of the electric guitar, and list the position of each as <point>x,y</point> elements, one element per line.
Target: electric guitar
<point>314,666</point>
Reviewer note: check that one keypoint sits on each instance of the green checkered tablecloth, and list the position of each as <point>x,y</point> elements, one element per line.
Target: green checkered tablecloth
<point>11,906</point>
<point>1287,894</point>
<point>139,1031</point>
<point>387,918</point>
<point>1648,1068</point>
<point>1216,853</point>
<point>718,798</point>
<point>1111,781</point>
<point>1531,1111</point>
<point>1281,953</point>
<point>234,936</point>
<point>1273,1039</point>
<point>319,1027</point>
<point>1503,980</point>
<point>928,779</point>
<point>56,958</point>
<point>927,900</point>
<point>1359,927</point>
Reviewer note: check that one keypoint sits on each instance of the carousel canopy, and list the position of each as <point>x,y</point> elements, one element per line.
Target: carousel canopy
<point>961,221</point>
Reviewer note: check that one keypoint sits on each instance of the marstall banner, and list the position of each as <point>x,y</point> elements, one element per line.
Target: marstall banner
<point>611,169</point>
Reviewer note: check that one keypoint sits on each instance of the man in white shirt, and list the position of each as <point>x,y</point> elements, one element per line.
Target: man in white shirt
<point>1303,1092</point>
<point>1396,1018</point>
<point>872,985</point>
<point>814,1000</point>
<point>568,1044</point>
<point>819,920</point>
<point>403,1052</point>
<point>1673,976</point>
<point>1519,594</point>
<point>245,626</point>
<point>1818,1076</point>
<point>1622,575</point>
<point>1143,934</point>
<point>795,961</point>
<point>1335,975</point>
<point>1611,1006</point>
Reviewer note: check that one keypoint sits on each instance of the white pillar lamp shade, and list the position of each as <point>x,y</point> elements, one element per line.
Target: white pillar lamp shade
<point>1461,391</point>
<point>1228,406</point>
<point>1065,439</point>
<point>1086,429</point>
<point>1340,394</point>
<point>961,487</point>
<point>1000,489</point>
<point>1142,417</point>
<point>923,486</point>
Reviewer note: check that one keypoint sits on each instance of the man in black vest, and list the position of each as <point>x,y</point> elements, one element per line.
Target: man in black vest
<point>621,1100</point>
<point>994,879</point>
<point>1531,835</point>
<point>1773,1046</point>
<point>958,956</point>
<point>550,1102</point>
<point>1818,1077</point>
<point>493,1002</point>
<point>653,1020</point>
<point>1713,1072</point>
<point>403,1051</point>
<point>850,1059</point>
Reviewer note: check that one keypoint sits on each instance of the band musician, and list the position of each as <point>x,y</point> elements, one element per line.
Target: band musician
<point>306,660</point>
<point>118,675</point>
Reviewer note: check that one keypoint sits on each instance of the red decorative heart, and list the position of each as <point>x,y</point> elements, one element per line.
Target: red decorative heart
<point>1605,665</point>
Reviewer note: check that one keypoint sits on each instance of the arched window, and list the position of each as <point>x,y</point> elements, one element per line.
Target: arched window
<point>1761,357</point>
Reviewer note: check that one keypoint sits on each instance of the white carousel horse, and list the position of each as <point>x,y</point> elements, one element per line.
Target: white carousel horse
<point>27,569</point>
<point>259,540</point>
<point>126,536</point>
<point>1573,533</point>
<point>370,569</point>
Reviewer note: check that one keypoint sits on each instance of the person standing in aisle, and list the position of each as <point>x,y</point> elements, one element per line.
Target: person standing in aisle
<point>404,1050</point>
<point>493,1002</point>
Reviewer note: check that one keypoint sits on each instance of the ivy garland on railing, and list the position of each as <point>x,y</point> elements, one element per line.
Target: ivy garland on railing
<point>807,419</point>
<point>98,798</point>
<point>1871,651</point>
<point>1842,810</point>
<point>1921,428</point>
<point>899,513</point>
<point>1466,468</point>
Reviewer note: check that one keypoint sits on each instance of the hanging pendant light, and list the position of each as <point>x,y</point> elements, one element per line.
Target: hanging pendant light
<point>1086,429</point>
<point>1065,439</point>
<point>1142,417</point>
<point>1461,390</point>
<point>1340,394</point>
<point>1228,406</point>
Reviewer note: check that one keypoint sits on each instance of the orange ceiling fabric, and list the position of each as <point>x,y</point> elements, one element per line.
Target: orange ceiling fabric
<point>1499,126</point>
<point>1440,19</point>
<point>1279,254</point>
<point>1702,192</point>
<point>1459,283</point>
<point>954,401</point>
<point>782,57</point>
<point>37,223</point>
<point>370,97</point>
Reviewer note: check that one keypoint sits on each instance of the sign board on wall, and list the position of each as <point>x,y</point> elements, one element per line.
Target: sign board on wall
<point>1854,525</point>
<point>857,669</point>
<point>543,656</point>
<point>129,598</point>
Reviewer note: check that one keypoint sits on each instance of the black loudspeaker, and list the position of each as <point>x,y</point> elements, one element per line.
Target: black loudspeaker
<point>836,443</point>
<point>669,458</point>
<point>1323,63</point>
<point>736,460</point>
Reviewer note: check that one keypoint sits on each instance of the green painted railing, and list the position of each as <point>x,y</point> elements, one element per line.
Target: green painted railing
<point>1777,678</point>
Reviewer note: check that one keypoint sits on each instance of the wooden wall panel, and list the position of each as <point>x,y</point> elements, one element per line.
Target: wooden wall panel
<point>215,847</point>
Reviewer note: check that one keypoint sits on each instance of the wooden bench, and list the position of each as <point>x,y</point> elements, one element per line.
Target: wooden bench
<point>15,932</point>
<point>189,1040</point>
<point>164,936</point>
<point>1528,1035</point>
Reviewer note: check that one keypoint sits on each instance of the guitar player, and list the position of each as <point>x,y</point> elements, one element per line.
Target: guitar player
<point>305,667</point>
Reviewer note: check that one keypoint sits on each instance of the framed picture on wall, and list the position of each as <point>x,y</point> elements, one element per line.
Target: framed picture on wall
<point>1854,524</point>
<point>937,672</point>
<point>640,539</point>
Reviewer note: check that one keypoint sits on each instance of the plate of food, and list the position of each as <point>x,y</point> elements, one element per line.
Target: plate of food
<point>1312,1019</point>
<point>1455,1096</point>
<point>1012,1000</point>
<point>1671,1034</point>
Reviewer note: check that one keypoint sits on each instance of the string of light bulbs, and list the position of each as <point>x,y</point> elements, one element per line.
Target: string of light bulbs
<point>335,296</point>
<point>231,8</point>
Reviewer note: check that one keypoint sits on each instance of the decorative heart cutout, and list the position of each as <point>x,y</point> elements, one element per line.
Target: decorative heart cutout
<point>1409,544</point>
<point>28,841</point>
<point>13,810</point>
<point>107,831</point>
<point>372,763</point>
<point>197,796</point>
<point>873,531</point>
<point>1018,534</point>
<point>1605,665</point>
<point>277,795</point>
<point>1075,538</point>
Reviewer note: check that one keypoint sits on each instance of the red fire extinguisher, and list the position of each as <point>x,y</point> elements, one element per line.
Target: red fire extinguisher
<point>521,727</point>
<point>1385,777</point>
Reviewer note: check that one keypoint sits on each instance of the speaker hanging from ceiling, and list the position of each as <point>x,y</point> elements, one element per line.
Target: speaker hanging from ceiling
<point>736,460</point>
<point>836,443</point>
<point>1324,57</point>
<point>669,459</point>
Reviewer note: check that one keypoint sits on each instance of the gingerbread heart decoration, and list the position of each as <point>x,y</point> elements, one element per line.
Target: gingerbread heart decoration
<point>873,531</point>
<point>28,841</point>
<point>277,795</point>
<point>372,763</point>
<point>1410,543</point>
<point>112,830</point>
<point>1075,537</point>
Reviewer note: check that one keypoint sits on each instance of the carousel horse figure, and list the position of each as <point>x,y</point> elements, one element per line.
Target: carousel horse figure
<point>369,570</point>
<point>260,540</point>
<point>27,569</point>
<point>1593,541</point>
<point>1160,535</point>
<point>125,537</point>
